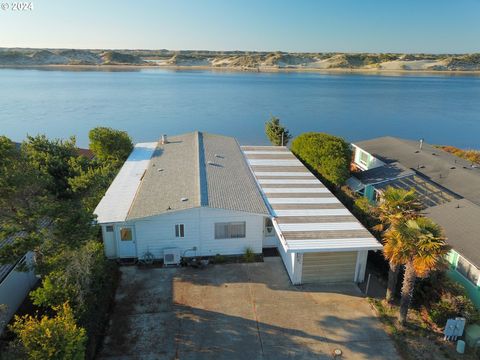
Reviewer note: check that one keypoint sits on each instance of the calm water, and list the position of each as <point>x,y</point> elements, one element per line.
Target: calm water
<point>148,103</point>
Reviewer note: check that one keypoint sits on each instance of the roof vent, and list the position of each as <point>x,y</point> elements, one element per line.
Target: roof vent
<point>219,156</point>
<point>160,170</point>
<point>164,139</point>
<point>210,162</point>
<point>184,199</point>
<point>453,168</point>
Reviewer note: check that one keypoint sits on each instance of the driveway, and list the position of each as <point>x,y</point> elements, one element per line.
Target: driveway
<point>239,311</point>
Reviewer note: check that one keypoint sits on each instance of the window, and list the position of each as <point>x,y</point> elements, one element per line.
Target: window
<point>233,230</point>
<point>126,234</point>
<point>467,270</point>
<point>363,158</point>
<point>179,230</point>
<point>109,228</point>
<point>269,230</point>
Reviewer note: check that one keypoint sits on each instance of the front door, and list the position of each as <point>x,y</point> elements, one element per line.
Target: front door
<point>126,243</point>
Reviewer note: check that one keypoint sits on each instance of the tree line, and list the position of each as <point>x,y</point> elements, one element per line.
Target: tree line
<point>48,192</point>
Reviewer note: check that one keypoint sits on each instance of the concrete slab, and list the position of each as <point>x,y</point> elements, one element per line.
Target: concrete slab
<point>239,311</point>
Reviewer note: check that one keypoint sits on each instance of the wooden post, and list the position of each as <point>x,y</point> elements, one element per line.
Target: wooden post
<point>368,284</point>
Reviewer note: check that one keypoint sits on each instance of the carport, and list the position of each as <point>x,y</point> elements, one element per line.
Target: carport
<point>319,240</point>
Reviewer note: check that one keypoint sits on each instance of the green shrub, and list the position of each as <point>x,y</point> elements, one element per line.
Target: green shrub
<point>219,259</point>
<point>451,306</point>
<point>56,337</point>
<point>327,155</point>
<point>249,255</point>
<point>444,299</point>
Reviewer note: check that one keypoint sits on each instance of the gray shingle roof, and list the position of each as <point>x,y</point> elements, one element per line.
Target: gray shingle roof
<point>197,169</point>
<point>230,183</point>
<point>461,222</point>
<point>447,170</point>
<point>384,173</point>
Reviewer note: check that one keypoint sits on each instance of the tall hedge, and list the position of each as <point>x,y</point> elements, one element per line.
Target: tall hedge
<point>326,154</point>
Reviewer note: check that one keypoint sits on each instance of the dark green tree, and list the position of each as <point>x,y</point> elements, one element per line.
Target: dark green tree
<point>24,203</point>
<point>55,160</point>
<point>326,154</point>
<point>109,144</point>
<point>276,132</point>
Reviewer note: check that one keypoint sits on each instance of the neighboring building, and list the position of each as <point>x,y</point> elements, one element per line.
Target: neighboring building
<point>448,186</point>
<point>196,193</point>
<point>14,287</point>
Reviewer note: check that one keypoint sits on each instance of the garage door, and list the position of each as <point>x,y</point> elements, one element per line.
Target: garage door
<point>328,267</point>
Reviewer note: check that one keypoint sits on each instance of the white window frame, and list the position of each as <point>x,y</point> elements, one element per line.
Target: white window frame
<point>461,258</point>
<point>130,230</point>
<point>229,233</point>
<point>179,231</point>
<point>360,158</point>
<point>269,229</point>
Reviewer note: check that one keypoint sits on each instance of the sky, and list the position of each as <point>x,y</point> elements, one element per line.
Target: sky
<point>406,26</point>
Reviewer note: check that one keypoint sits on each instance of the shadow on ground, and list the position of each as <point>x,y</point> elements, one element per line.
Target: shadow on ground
<point>239,311</point>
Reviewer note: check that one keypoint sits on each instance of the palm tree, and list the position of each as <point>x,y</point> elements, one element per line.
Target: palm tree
<point>395,205</point>
<point>419,245</point>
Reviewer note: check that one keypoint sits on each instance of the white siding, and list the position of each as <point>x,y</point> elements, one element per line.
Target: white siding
<point>293,264</point>
<point>13,290</point>
<point>361,266</point>
<point>372,162</point>
<point>211,246</point>
<point>270,241</point>
<point>157,233</point>
<point>109,242</point>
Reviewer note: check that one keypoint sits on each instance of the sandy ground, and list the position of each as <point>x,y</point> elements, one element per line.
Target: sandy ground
<point>387,70</point>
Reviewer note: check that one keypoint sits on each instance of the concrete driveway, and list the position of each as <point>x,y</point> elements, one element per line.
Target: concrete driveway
<point>239,311</point>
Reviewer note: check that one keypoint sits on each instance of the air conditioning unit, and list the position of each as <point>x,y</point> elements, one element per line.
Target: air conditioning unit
<point>171,256</point>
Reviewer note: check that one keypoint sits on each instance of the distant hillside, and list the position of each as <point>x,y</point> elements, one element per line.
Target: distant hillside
<point>256,61</point>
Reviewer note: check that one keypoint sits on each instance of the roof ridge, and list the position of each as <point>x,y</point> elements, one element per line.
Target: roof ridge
<point>202,173</point>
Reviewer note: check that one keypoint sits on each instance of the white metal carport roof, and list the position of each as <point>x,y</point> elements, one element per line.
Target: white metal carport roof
<point>307,216</point>
<point>116,203</point>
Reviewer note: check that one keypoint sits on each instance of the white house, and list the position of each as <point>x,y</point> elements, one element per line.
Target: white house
<point>193,192</point>
<point>201,194</point>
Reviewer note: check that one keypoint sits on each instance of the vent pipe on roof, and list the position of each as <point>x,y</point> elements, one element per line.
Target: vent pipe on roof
<point>164,139</point>
<point>421,144</point>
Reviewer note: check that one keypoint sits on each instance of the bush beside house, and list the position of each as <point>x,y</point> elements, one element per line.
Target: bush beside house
<point>327,155</point>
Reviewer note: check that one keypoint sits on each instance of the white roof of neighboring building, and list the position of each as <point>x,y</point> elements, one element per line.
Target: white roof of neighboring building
<point>116,203</point>
<point>308,217</point>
